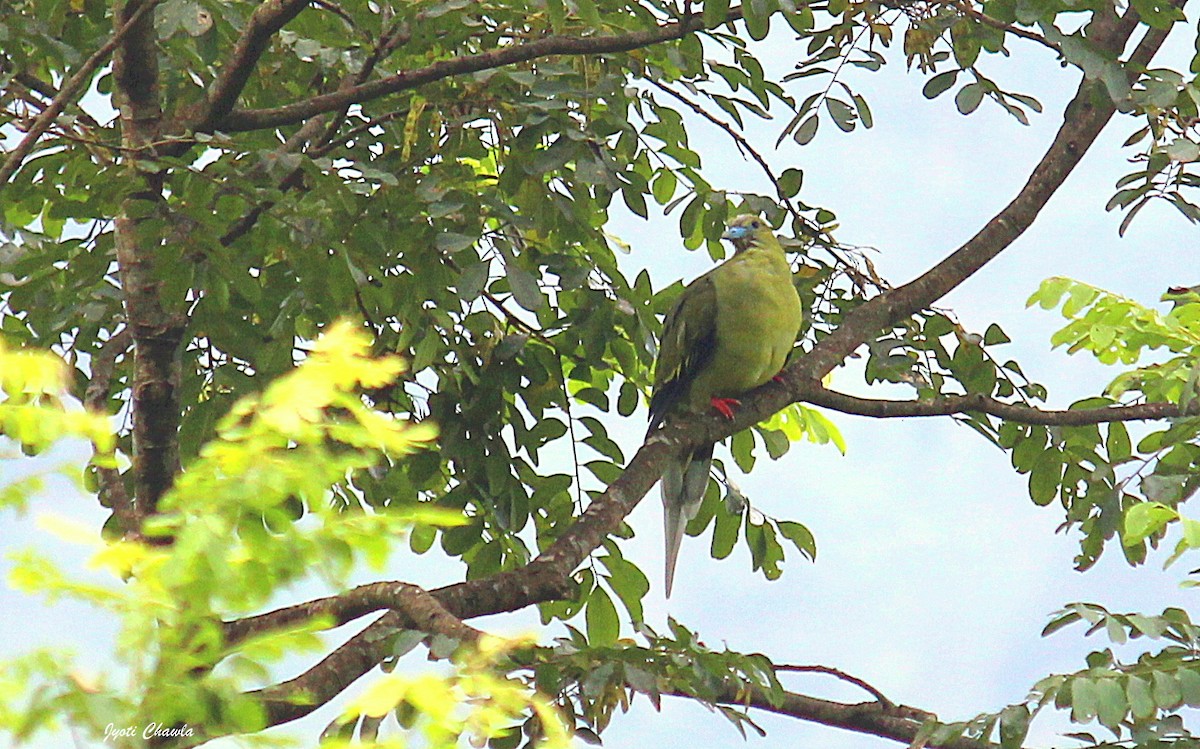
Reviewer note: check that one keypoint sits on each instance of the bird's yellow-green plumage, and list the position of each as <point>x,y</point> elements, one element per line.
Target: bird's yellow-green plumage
<point>730,331</point>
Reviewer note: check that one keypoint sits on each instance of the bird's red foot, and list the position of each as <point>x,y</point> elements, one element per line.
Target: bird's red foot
<point>725,406</point>
<point>778,378</point>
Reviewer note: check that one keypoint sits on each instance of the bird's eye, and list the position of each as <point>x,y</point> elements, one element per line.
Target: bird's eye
<point>754,224</point>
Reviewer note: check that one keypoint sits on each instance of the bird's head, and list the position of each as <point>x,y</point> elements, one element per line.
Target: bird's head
<point>747,231</point>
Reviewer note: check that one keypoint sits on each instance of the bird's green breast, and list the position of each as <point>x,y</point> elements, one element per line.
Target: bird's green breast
<point>758,318</point>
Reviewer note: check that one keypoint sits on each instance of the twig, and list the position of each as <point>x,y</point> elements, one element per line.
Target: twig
<point>842,675</point>
<point>979,403</point>
<point>966,9</point>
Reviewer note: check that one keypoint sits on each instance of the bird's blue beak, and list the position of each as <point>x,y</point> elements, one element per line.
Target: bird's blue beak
<point>735,232</point>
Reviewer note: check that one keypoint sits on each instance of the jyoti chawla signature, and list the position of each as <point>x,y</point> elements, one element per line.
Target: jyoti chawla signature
<point>149,731</point>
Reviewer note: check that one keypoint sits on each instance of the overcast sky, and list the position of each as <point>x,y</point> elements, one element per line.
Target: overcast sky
<point>935,572</point>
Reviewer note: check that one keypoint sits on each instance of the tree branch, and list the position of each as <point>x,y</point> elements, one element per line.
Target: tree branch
<point>977,403</point>
<point>896,722</point>
<point>413,606</point>
<point>156,332</point>
<point>255,119</point>
<point>264,23</point>
<point>69,90</point>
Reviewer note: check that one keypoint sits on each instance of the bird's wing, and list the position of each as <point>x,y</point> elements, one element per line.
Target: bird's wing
<point>688,341</point>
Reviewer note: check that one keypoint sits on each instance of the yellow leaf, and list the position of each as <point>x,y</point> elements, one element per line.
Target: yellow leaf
<point>380,698</point>
<point>416,108</point>
<point>122,557</point>
<point>69,530</point>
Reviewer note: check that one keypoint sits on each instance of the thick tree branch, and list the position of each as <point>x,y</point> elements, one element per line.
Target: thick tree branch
<point>70,89</point>
<point>958,404</point>
<point>414,607</point>
<point>547,576</point>
<point>255,119</point>
<point>896,722</point>
<point>264,23</point>
<point>541,580</point>
<point>156,332</point>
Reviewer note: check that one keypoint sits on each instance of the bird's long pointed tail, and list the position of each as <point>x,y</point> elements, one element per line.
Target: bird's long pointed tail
<point>683,487</point>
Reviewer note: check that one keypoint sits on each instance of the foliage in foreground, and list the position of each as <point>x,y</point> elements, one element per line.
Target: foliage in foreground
<point>233,546</point>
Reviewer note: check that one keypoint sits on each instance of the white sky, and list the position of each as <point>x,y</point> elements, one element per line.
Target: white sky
<point>935,572</point>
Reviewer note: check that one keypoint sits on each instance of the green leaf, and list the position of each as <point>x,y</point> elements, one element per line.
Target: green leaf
<point>800,536</point>
<point>627,400</point>
<point>995,336</point>
<point>715,12</point>
<point>628,582</point>
<point>450,242</point>
<point>603,625</point>
<point>776,441</point>
<point>663,187</point>
<point>1119,446</point>
<point>864,112</point>
<point>1141,701</point>
<point>1166,690</point>
<point>1050,292</point>
<point>968,97</point>
<point>1145,519</point>
<point>807,130</point>
<point>1064,619</point>
<point>842,114</point>
<point>421,539</point>
<point>525,289</point>
<point>1085,699</point>
<point>1191,532</point>
<point>1014,726</point>
<point>725,533</point>
<point>1046,477</point>
<point>790,182</point>
<point>589,13</point>
<point>939,84</point>
<point>1189,685</point>
<point>635,200</point>
<point>757,14</point>
<point>965,44</point>
<point>1159,14</point>
<point>1111,705</point>
<point>742,447</point>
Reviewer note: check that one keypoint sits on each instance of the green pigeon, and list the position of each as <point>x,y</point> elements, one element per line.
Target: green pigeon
<point>730,331</point>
